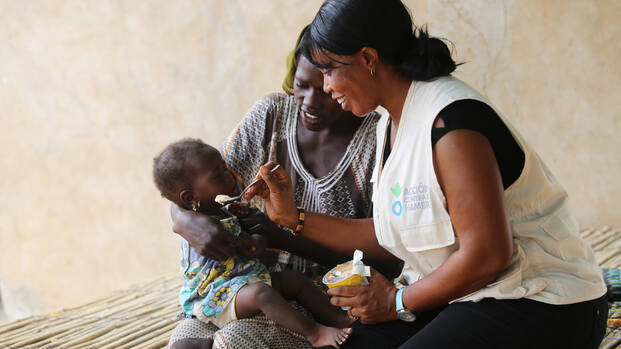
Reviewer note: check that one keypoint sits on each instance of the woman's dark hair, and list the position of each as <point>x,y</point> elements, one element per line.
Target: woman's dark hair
<point>343,27</point>
<point>299,50</point>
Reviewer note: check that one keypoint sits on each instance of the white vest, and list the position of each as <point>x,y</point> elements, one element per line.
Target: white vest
<point>550,263</point>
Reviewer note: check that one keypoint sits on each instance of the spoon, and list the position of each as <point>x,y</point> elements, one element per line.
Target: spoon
<point>237,197</point>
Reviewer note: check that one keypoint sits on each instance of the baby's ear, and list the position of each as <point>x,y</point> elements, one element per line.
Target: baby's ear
<point>187,197</point>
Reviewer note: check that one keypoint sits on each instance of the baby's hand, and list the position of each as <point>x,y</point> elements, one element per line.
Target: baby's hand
<point>253,245</point>
<point>240,209</point>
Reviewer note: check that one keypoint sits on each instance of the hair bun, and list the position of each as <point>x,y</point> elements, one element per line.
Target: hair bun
<point>426,58</point>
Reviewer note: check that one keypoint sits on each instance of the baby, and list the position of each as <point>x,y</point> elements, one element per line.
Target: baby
<point>191,174</point>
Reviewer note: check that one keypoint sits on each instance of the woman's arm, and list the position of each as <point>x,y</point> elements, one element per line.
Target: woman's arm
<point>342,235</point>
<point>468,174</point>
<point>258,223</point>
<point>299,245</point>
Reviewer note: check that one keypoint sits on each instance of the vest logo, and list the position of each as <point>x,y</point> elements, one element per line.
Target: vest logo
<point>415,198</point>
<point>397,207</point>
<point>396,191</point>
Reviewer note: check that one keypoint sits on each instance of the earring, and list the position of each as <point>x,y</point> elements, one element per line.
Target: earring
<point>372,72</point>
<point>196,206</point>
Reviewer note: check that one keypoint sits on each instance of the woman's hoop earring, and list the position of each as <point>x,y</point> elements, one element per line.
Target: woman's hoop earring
<point>196,206</point>
<point>372,72</point>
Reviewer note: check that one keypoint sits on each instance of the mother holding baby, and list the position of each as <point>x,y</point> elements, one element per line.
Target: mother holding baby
<point>491,251</point>
<point>330,155</point>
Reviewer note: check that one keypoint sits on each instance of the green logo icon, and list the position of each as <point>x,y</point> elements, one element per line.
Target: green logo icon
<point>396,190</point>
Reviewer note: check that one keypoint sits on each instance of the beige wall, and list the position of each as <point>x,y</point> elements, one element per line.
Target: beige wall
<point>90,91</point>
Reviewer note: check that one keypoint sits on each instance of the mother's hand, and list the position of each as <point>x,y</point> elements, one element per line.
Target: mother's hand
<point>205,234</point>
<point>277,194</point>
<point>372,303</point>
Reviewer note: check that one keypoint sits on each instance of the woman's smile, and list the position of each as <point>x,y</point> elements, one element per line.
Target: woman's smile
<point>342,100</point>
<point>309,118</point>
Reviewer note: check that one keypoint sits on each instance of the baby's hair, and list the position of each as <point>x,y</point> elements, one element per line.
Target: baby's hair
<point>174,167</point>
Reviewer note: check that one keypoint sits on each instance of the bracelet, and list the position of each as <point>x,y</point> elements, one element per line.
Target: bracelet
<point>301,218</point>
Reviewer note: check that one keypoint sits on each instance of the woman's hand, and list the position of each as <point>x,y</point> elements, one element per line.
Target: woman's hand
<point>205,234</point>
<point>277,194</point>
<point>372,303</point>
<point>251,245</point>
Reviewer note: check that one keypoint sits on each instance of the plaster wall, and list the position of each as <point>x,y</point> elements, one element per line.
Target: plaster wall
<point>91,91</point>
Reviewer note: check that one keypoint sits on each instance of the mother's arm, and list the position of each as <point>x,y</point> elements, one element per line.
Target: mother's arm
<point>205,234</point>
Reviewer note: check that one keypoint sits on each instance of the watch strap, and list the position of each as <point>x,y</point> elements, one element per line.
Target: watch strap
<point>399,299</point>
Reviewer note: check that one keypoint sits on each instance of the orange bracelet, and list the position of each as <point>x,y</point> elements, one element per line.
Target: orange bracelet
<point>301,218</point>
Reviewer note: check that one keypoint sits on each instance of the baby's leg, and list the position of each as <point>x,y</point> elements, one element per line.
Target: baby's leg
<point>259,296</point>
<point>294,285</point>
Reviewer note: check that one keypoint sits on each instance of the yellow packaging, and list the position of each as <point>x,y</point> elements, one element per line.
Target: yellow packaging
<point>352,273</point>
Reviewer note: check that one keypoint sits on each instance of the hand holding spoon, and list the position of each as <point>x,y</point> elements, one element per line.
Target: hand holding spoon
<point>225,199</point>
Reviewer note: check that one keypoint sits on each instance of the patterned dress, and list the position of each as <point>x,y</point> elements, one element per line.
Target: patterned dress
<point>269,132</point>
<point>209,285</point>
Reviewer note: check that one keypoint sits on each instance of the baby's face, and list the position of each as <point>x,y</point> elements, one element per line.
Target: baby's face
<point>213,178</point>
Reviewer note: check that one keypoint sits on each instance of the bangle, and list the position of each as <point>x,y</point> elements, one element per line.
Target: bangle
<point>301,218</point>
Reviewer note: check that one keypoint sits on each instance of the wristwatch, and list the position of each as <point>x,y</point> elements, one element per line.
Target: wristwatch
<point>403,313</point>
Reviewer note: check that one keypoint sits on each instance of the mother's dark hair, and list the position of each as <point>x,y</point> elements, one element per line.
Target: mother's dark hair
<point>343,27</point>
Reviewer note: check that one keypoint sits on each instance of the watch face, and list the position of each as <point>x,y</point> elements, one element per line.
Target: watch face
<point>406,316</point>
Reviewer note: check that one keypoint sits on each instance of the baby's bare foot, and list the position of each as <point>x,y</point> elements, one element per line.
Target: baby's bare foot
<point>326,336</point>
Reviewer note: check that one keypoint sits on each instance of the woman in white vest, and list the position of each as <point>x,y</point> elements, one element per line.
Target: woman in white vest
<point>491,249</point>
